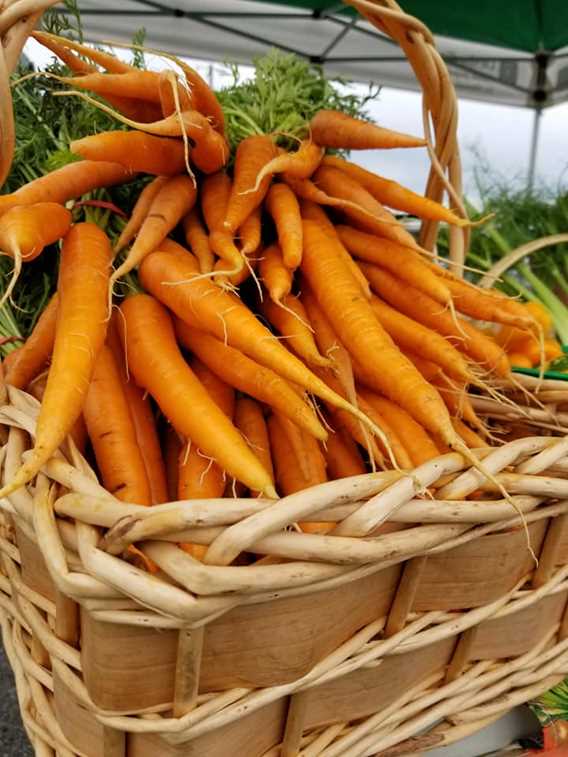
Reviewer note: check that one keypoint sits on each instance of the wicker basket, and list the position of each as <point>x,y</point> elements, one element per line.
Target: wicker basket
<point>421,618</point>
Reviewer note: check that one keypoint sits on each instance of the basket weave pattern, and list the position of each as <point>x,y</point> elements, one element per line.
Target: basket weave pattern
<point>423,604</point>
<point>443,638</point>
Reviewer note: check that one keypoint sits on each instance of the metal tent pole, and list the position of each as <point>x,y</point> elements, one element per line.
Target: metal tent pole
<point>534,148</point>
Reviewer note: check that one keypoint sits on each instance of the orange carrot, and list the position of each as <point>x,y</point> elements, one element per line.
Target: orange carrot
<point>112,434</point>
<point>171,280</point>
<point>300,164</point>
<point>291,320</point>
<point>473,440</point>
<point>158,366</point>
<point>203,97</point>
<point>27,229</point>
<point>362,207</point>
<point>199,477</point>
<point>168,86</point>
<point>416,441</point>
<point>283,206</point>
<point>134,150</point>
<point>244,374</point>
<point>34,354</point>
<point>250,422</point>
<point>342,456</point>
<point>56,43</point>
<point>172,202</point>
<point>215,193</point>
<point>400,261</point>
<point>396,444</point>
<point>79,335</point>
<point>332,128</point>
<point>516,360</point>
<point>313,212</point>
<point>142,418</point>
<point>198,241</point>
<point>274,274</point>
<point>289,475</point>
<point>140,212</point>
<point>408,334</point>
<point>356,325</point>
<point>425,310</point>
<point>394,195</point>
<point>250,233</point>
<point>253,153</point>
<point>67,183</point>
<point>134,83</point>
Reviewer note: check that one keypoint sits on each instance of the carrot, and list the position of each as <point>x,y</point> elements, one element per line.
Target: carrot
<point>401,261</point>
<point>473,440</point>
<point>249,237</point>
<point>158,366</point>
<point>221,393</point>
<point>27,229</point>
<point>244,374</point>
<point>199,477</point>
<point>172,202</point>
<point>134,150</point>
<point>396,446</point>
<point>394,195</point>
<point>78,431</point>
<point>140,212</point>
<point>485,305</point>
<point>332,128</point>
<point>250,422</point>
<point>203,97</point>
<point>34,354</point>
<point>142,418</point>
<point>518,360</point>
<point>362,207</point>
<point>425,310</point>
<point>84,269</point>
<point>168,86</point>
<point>300,164</point>
<point>311,211</point>
<point>416,441</point>
<point>24,232</point>
<point>215,194</point>
<point>283,206</point>
<point>253,153</point>
<point>198,241</point>
<point>134,83</point>
<point>250,233</point>
<point>342,456</point>
<point>169,278</point>
<point>289,477</point>
<point>408,334</point>
<point>67,183</point>
<point>291,320</point>
<point>112,434</point>
<point>328,343</point>
<point>56,43</point>
<point>274,274</point>
<point>355,323</point>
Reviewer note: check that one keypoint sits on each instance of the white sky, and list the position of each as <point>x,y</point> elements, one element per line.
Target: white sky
<point>501,134</point>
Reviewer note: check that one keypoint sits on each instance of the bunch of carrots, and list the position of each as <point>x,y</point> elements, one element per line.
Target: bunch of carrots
<point>281,328</point>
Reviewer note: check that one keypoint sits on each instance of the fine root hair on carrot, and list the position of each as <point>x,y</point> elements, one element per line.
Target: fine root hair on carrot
<point>14,276</point>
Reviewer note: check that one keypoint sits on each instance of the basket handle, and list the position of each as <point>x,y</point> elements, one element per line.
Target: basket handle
<point>17,19</point>
<point>439,114</point>
<point>515,255</point>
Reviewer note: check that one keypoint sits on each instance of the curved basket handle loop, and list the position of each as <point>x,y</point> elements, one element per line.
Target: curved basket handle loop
<point>439,114</point>
<point>515,255</point>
